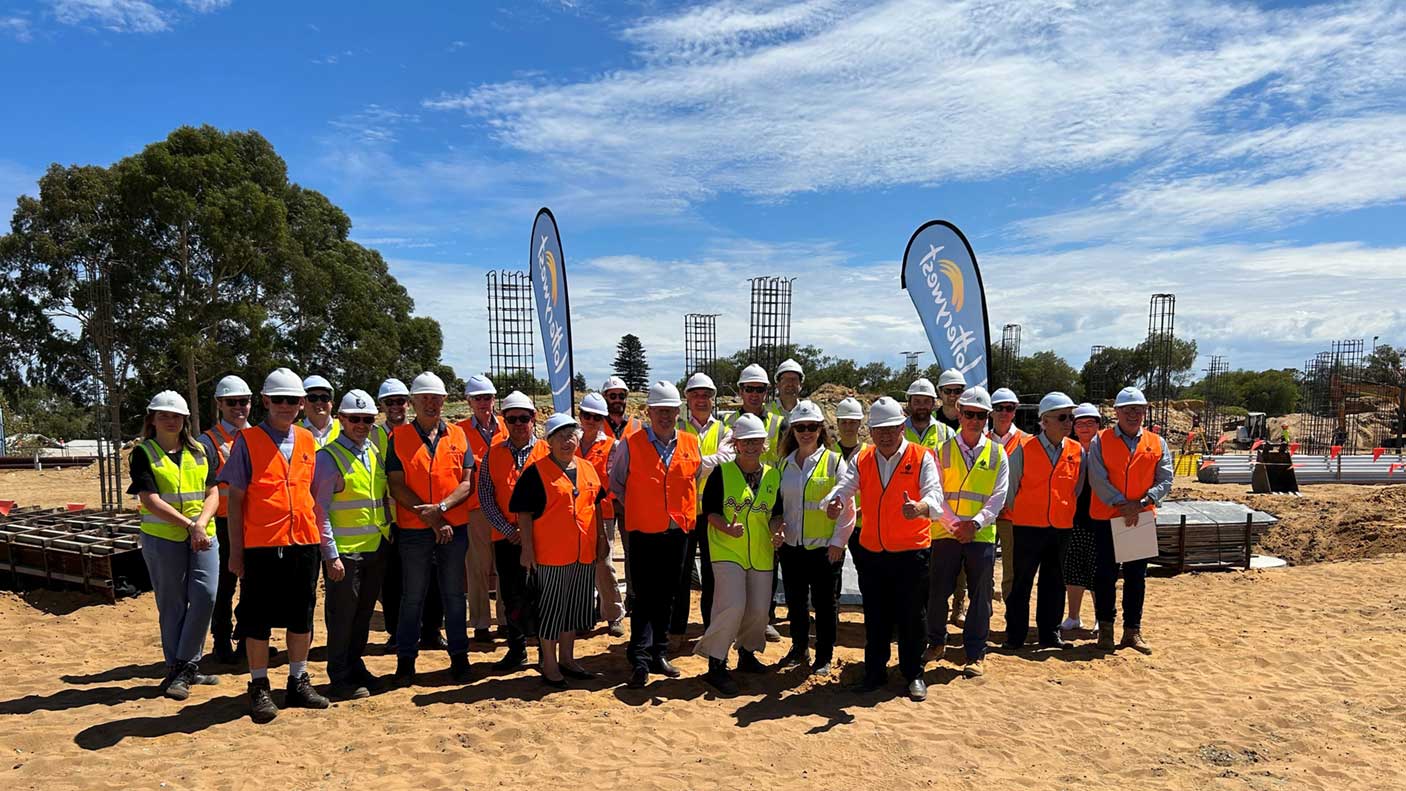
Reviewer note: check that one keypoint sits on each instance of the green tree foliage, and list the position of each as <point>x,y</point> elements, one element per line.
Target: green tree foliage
<point>1274,392</point>
<point>1383,365</point>
<point>630,362</point>
<point>578,383</point>
<point>1119,367</point>
<point>519,380</point>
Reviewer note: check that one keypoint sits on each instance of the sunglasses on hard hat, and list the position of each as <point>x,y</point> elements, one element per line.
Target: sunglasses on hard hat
<point>359,419</point>
<point>319,398</point>
<point>952,390</point>
<point>285,400</point>
<point>754,388</point>
<point>235,401</point>
<point>1003,408</point>
<point>973,414</point>
<point>394,401</point>
<point>518,419</point>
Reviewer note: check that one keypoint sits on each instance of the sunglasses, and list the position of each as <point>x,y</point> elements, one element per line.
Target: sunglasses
<point>805,428</point>
<point>1061,418</point>
<point>615,396</point>
<point>518,419</point>
<point>754,388</point>
<point>285,400</point>
<point>952,390</point>
<point>590,417</point>
<point>1004,408</point>
<point>972,414</point>
<point>482,397</point>
<point>359,419</point>
<point>319,398</point>
<point>235,401</point>
<point>396,401</point>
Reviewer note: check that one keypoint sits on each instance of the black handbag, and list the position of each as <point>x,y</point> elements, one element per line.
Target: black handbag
<point>525,614</point>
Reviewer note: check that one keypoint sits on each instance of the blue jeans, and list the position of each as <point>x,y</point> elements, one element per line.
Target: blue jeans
<point>420,557</point>
<point>950,558</point>
<point>184,582</point>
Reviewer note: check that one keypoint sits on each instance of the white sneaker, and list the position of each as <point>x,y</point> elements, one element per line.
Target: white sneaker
<point>1070,625</point>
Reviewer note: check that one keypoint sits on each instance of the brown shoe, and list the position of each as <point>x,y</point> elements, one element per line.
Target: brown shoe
<point>1132,638</point>
<point>1105,636</point>
<point>974,668</point>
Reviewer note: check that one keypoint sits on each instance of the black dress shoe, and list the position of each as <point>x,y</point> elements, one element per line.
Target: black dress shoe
<point>747,662</point>
<point>663,668</point>
<point>433,642</point>
<point>459,667</point>
<point>515,658</point>
<point>871,685</point>
<point>794,658</point>
<point>404,671</point>
<point>918,690</point>
<point>719,679</point>
<point>580,674</point>
<point>555,683</point>
<point>483,635</point>
<point>638,678</point>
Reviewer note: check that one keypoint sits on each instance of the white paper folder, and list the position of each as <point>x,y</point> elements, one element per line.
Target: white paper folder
<point>1135,541</point>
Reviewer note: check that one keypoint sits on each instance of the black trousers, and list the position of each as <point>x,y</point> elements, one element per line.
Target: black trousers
<point>809,574</point>
<point>1106,580</point>
<point>697,546</point>
<point>895,590</point>
<point>1037,550</point>
<point>655,562</point>
<point>431,617</point>
<point>512,585</point>
<point>222,619</point>
<point>350,604</point>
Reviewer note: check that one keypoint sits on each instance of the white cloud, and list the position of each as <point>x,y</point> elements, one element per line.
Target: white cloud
<point>121,16</point>
<point>16,27</point>
<point>207,6</point>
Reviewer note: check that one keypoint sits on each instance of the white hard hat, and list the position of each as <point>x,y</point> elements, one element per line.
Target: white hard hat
<point>283,382</point>
<point>748,426</point>
<point>1055,400</point>
<point>517,400</point>
<point>1130,396</point>
<point>806,412</point>
<point>849,409</point>
<point>885,412</point>
<point>1087,410</point>
<point>663,393</point>
<point>790,366</point>
<point>357,402</point>
<point>1004,395</point>
<point>951,376</point>
<point>392,387</point>
<point>316,382</point>
<point>975,397</point>
<point>921,386</point>
<point>614,383</point>
<point>168,401</point>
<point>753,375</point>
<point>428,383</point>
<point>232,386</point>
<point>595,404</point>
<point>700,381</point>
<point>478,384</point>
<point>559,421</point>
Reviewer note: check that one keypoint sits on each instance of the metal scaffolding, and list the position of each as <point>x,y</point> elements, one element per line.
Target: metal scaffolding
<point>1213,396</point>
<point>1161,329</point>
<point>700,344</point>
<point>1010,354</point>
<point>1098,377</point>
<point>1332,398</point>
<point>770,321</point>
<point>510,334</point>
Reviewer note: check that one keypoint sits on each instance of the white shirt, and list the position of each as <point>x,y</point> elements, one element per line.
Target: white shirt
<point>997,500</point>
<point>929,481</point>
<point>726,451</point>
<point>319,434</point>
<point>793,498</point>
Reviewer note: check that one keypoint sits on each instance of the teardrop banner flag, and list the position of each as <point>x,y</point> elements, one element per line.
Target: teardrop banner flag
<point>941,276</point>
<point>547,270</point>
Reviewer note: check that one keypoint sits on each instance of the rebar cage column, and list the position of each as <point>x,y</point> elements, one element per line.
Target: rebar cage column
<point>700,344</point>
<point>770,321</point>
<point>510,319</point>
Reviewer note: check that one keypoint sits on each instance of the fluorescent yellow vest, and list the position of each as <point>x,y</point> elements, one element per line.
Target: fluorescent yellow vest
<point>708,443</point>
<point>357,512</point>
<point>182,488</point>
<point>967,490</point>
<point>323,442</point>
<point>753,550</point>
<point>931,439</point>
<point>816,528</point>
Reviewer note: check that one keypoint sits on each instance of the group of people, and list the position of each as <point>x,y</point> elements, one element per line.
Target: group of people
<point>421,514</point>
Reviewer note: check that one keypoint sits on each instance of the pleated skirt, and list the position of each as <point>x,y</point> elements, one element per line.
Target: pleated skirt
<point>567,599</point>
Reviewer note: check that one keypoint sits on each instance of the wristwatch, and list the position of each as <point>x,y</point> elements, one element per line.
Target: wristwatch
<point>443,507</point>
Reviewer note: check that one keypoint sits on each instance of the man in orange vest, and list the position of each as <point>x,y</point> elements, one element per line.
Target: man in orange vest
<point>1046,473</point>
<point>502,467</point>
<point>900,494</point>
<point>232,399</point>
<point>654,475</point>
<point>1130,471</point>
<point>274,541</point>
<point>616,393</point>
<point>483,429</point>
<point>429,468</point>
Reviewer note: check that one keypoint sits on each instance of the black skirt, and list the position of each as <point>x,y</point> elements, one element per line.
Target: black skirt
<point>566,601</point>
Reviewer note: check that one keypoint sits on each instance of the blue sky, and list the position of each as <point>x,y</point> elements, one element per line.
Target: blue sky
<point>1250,158</point>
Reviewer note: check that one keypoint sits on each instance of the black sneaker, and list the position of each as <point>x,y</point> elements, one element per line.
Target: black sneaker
<point>515,658</point>
<point>261,707</point>
<point>197,677</point>
<point>302,694</point>
<point>794,658</point>
<point>178,682</point>
<point>638,678</point>
<point>747,662</point>
<point>821,667</point>
<point>347,690</point>
<point>433,642</point>
<point>404,671</point>
<point>721,680</point>
<point>373,683</point>
<point>459,667</point>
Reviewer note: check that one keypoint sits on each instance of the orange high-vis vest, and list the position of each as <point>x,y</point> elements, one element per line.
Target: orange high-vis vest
<point>222,442</point>
<point>278,505</point>
<point>1131,473</point>
<point>565,533</point>
<point>885,529</point>
<point>504,472</point>
<point>630,426</point>
<point>654,495</point>
<point>599,456</point>
<point>480,447</point>
<point>1010,445</point>
<point>431,479</point>
<point>1047,497</point>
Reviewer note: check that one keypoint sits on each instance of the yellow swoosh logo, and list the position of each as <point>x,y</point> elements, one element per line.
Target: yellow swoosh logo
<point>954,275</point>
<point>552,267</point>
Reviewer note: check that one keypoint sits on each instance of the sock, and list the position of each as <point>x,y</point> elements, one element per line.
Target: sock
<point>297,669</point>
<point>258,673</point>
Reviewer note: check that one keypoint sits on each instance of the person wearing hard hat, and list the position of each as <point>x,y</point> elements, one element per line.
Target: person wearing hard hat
<point>975,476</point>
<point>752,387</point>
<point>596,447</point>
<point>274,541</point>
<point>429,469</point>
<point>349,493</point>
<point>789,378</point>
<point>1130,471</point>
<point>501,469</point>
<point>1046,474</point>
<point>920,428</point>
<point>950,385</point>
<point>1004,403</point>
<point>715,443</point>
<point>812,552</point>
<point>484,429</point>
<point>394,398</point>
<point>1080,555</point>
<point>175,483</point>
<point>900,493</point>
<point>849,413</point>
<point>743,512</point>
<point>616,393</point>
<point>655,475</point>
<point>232,400</point>
<point>318,419</point>
<point>556,501</point>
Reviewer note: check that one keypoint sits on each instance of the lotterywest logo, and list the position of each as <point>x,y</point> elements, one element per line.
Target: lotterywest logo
<point>949,302</point>
<point>547,281</point>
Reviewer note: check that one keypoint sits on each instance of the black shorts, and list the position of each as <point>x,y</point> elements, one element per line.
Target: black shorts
<point>279,589</point>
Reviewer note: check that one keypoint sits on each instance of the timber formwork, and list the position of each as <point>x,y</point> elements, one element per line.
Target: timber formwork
<point>88,549</point>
